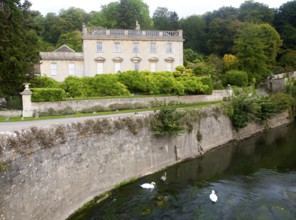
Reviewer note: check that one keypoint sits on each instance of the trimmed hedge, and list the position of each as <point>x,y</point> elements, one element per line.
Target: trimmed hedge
<point>235,78</point>
<point>48,94</point>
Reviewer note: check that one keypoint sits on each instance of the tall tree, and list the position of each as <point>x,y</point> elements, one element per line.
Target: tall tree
<point>256,48</point>
<point>73,19</point>
<point>107,17</point>
<point>131,11</point>
<point>255,12</point>
<point>18,46</point>
<point>72,39</point>
<point>194,30</point>
<point>163,19</point>
<point>285,24</point>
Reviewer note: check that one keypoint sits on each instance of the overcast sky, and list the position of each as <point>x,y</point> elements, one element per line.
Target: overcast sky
<point>183,8</point>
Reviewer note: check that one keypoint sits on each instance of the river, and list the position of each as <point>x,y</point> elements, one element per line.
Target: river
<point>254,179</point>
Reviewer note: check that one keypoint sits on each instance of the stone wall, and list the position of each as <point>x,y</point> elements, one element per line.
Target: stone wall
<point>79,105</point>
<point>53,171</point>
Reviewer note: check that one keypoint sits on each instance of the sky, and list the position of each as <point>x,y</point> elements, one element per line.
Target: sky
<point>184,8</point>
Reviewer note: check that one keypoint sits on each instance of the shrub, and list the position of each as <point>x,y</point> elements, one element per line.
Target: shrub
<point>207,80</point>
<point>135,81</point>
<point>44,82</point>
<point>108,85</point>
<point>47,94</point>
<point>75,86</point>
<point>235,78</point>
<point>167,122</point>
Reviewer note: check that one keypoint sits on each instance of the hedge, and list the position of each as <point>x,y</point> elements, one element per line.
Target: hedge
<point>48,94</point>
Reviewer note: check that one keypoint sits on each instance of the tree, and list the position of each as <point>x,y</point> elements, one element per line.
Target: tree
<point>194,32</point>
<point>163,19</point>
<point>256,48</point>
<point>131,11</point>
<point>285,24</point>
<point>18,46</point>
<point>53,28</point>
<point>255,12</point>
<point>107,17</point>
<point>73,39</point>
<point>73,18</point>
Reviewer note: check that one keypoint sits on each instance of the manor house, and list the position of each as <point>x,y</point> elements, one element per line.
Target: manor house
<point>115,50</point>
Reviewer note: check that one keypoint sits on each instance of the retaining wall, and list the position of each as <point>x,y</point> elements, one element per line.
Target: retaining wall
<point>53,171</point>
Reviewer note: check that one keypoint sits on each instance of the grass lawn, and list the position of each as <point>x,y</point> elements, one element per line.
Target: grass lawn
<point>180,106</point>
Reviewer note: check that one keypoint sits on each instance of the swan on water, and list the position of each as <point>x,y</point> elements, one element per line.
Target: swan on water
<point>148,185</point>
<point>213,196</point>
<point>163,178</point>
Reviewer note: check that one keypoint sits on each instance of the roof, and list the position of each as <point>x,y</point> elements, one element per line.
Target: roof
<point>64,48</point>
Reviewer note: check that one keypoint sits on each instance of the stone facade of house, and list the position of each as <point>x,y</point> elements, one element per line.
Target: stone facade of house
<point>115,50</point>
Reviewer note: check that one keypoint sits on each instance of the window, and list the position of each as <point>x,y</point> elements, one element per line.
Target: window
<point>153,48</point>
<point>136,48</point>
<point>100,68</point>
<point>99,47</point>
<point>53,69</point>
<point>117,47</point>
<point>117,67</point>
<point>153,67</point>
<point>169,48</point>
<point>169,67</point>
<point>71,69</point>
<point>136,65</point>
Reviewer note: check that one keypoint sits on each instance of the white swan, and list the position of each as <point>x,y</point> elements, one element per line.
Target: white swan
<point>148,185</point>
<point>163,178</point>
<point>213,196</point>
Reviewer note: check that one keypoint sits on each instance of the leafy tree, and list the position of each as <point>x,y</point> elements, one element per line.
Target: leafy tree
<point>285,24</point>
<point>229,62</point>
<point>256,48</point>
<point>288,60</point>
<point>107,17</point>
<point>73,39</point>
<point>73,19</point>
<point>235,78</point>
<point>131,11</point>
<point>53,28</point>
<point>18,46</point>
<point>194,32</point>
<point>221,35</point>
<point>255,12</point>
<point>161,19</point>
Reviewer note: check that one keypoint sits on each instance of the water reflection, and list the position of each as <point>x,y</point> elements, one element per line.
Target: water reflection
<point>254,179</point>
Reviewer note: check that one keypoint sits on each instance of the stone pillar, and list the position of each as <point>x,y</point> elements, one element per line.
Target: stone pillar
<point>27,103</point>
<point>229,90</point>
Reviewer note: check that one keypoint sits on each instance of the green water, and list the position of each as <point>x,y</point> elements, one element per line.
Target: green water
<point>254,179</point>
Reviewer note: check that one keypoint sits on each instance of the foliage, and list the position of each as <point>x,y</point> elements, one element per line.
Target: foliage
<point>255,12</point>
<point>44,82</point>
<point>246,107</point>
<point>194,29</point>
<point>288,60</point>
<point>229,62</point>
<point>47,94</point>
<point>131,11</point>
<point>163,19</point>
<point>108,85</point>
<point>208,82</point>
<point>72,39</point>
<point>285,24</point>
<point>167,121</point>
<point>18,46</point>
<point>75,86</point>
<point>256,48</point>
<point>135,81</point>
<point>235,78</point>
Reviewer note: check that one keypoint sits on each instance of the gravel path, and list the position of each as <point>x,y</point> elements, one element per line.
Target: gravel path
<point>14,126</point>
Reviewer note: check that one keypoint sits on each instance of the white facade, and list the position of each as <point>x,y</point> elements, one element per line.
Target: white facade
<point>114,50</point>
